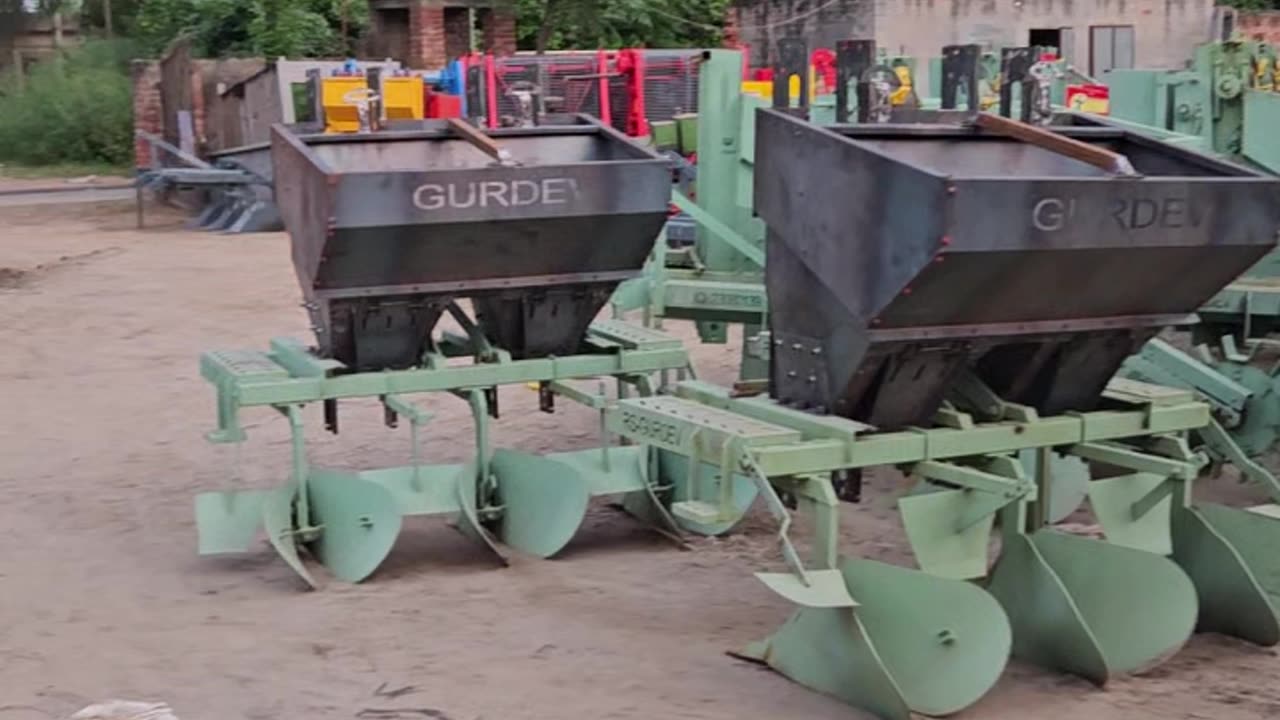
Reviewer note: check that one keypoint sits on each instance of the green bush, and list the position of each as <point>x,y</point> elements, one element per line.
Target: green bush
<point>78,109</point>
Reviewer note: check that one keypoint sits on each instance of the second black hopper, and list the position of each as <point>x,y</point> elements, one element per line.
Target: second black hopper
<point>899,255</point>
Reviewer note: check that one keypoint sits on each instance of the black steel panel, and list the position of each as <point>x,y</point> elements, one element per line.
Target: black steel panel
<point>388,228</point>
<point>900,255</point>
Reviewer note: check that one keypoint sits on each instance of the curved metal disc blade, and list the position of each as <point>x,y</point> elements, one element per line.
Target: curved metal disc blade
<point>1139,607</point>
<point>1232,601</point>
<point>826,588</point>
<point>932,518</point>
<point>706,486</point>
<point>1255,534</point>
<point>228,522</point>
<point>277,519</point>
<point>360,523</point>
<point>1068,482</point>
<point>544,502</point>
<point>828,650</point>
<point>468,521</point>
<point>1048,629</point>
<point>1112,501</point>
<point>944,642</point>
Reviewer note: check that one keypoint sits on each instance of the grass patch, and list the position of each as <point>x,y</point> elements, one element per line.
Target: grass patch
<point>73,110</point>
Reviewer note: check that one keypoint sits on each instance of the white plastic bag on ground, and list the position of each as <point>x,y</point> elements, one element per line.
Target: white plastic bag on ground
<point>125,710</point>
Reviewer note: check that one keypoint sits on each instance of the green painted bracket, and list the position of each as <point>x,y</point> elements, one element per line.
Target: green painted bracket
<point>824,588</point>
<point>298,361</point>
<point>400,406</point>
<point>778,444</point>
<point>1219,441</point>
<point>1136,460</point>
<point>949,529</point>
<point>718,228</point>
<point>1160,363</point>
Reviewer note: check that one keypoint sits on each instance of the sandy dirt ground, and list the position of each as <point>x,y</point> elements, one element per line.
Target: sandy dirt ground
<point>102,594</point>
<point>17,184</point>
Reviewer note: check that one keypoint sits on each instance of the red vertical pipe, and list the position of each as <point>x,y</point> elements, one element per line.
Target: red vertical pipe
<point>631,65</point>
<point>491,89</point>
<point>602,67</point>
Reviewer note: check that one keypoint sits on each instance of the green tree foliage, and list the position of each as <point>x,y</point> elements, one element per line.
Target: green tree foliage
<point>75,110</point>
<point>1247,5</point>
<point>293,28</point>
<point>586,24</point>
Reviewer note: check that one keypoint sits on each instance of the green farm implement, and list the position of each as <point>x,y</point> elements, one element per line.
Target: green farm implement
<point>949,298</point>
<point>535,278</point>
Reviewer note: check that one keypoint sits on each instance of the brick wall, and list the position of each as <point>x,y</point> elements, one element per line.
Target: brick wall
<point>1264,25</point>
<point>731,37</point>
<point>759,24</point>
<point>439,31</point>
<point>148,114</point>
<point>498,28</point>
<point>457,31</point>
<point>1165,31</point>
<point>204,78</point>
<point>426,36</point>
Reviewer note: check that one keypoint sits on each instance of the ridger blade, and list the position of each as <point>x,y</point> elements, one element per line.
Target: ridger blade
<point>1255,534</point>
<point>468,520</point>
<point>915,643</point>
<point>277,519</point>
<point>1221,548</point>
<point>358,522</point>
<point>1068,482</point>
<point>823,589</point>
<point>227,522</point>
<point>949,529</point>
<point>544,502</point>
<point>1113,501</point>
<point>1089,607</point>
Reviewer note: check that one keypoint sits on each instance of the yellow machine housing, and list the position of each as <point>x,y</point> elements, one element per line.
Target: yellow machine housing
<point>339,115</point>
<point>402,98</point>
<point>764,88</point>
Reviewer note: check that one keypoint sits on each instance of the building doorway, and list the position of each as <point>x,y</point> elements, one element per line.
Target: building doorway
<point>1061,38</point>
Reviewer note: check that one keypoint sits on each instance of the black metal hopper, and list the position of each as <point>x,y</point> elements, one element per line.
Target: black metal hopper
<point>900,254</point>
<point>389,228</point>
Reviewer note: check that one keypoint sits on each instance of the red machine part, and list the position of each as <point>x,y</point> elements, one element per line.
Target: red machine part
<point>1089,98</point>
<point>443,105</point>
<point>630,64</point>
<point>824,67</point>
<point>602,69</point>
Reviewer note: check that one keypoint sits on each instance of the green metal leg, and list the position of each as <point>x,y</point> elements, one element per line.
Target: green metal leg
<point>751,367</point>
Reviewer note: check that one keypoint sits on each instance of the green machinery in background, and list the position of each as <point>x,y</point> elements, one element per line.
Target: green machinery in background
<point>1226,102</point>
<point>1228,97</point>
<point>945,300</point>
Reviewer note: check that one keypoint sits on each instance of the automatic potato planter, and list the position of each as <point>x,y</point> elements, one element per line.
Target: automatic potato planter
<point>389,232</point>
<point>950,301</point>
<point>954,301</point>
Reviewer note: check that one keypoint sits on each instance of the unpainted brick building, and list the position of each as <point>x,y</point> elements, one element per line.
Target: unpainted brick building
<point>428,33</point>
<point>1094,35</point>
